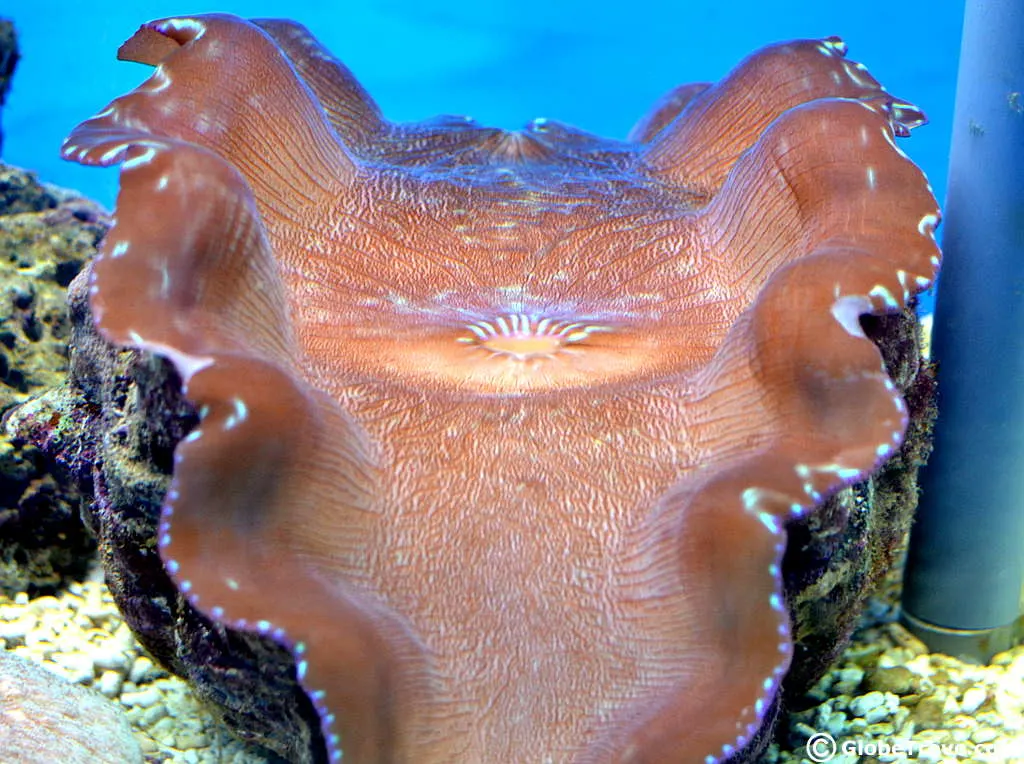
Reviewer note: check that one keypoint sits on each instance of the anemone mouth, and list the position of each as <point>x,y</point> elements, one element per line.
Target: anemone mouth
<point>507,353</point>
<point>522,337</point>
<point>510,353</point>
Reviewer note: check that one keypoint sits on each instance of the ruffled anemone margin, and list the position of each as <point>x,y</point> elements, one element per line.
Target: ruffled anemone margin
<point>500,432</point>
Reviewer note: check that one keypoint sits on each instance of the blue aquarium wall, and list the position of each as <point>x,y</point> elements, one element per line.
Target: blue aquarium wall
<point>597,65</point>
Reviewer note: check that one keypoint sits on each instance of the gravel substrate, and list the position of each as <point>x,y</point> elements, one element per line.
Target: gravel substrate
<point>80,636</point>
<point>887,690</point>
<point>887,699</point>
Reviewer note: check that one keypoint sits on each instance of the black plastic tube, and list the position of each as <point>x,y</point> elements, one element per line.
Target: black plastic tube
<point>965,568</point>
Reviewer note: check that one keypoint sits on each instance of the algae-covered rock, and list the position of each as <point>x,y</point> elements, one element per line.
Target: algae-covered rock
<point>21,192</point>
<point>44,241</point>
<point>46,235</point>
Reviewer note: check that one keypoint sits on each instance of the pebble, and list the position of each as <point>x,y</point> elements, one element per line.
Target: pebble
<point>989,717</point>
<point>984,735</point>
<point>928,712</point>
<point>1010,707</point>
<point>95,608</point>
<point>110,683</point>
<point>834,724</point>
<point>863,704</point>
<point>42,604</point>
<point>803,730</point>
<point>77,666</point>
<point>897,679</point>
<point>934,736</point>
<point>193,739</point>
<point>113,659</point>
<point>143,698</point>
<point>162,730</point>
<point>883,711</point>
<point>848,680</point>
<point>155,714</point>
<point>144,670</point>
<point>16,630</point>
<point>148,745</point>
<point>972,700</point>
<point>880,729</point>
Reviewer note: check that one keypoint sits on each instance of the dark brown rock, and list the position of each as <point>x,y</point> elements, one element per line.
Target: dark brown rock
<point>898,680</point>
<point>929,714</point>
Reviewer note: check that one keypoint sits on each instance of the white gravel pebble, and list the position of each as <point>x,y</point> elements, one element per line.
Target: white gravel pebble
<point>155,714</point>
<point>848,680</point>
<point>76,666</point>
<point>144,670</point>
<point>143,698</point>
<point>864,703</point>
<point>110,683</point>
<point>13,630</point>
<point>111,659</point>
<point>973,699</point>
<point>884,710</point>
<point>984,735</point>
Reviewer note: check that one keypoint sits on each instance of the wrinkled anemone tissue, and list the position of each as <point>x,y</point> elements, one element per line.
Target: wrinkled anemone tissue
<point>500,432</point>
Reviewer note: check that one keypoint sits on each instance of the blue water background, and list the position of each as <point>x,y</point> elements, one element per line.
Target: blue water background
<point>597,65</point>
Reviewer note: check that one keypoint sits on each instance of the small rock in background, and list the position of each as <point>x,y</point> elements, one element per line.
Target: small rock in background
<point>46,235</point>
<point>78,636</point>
<point>8,60</point>
<point>46,719</point>
<point>897,680</point>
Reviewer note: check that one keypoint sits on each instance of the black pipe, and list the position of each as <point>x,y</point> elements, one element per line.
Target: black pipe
<point>965,568</point>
